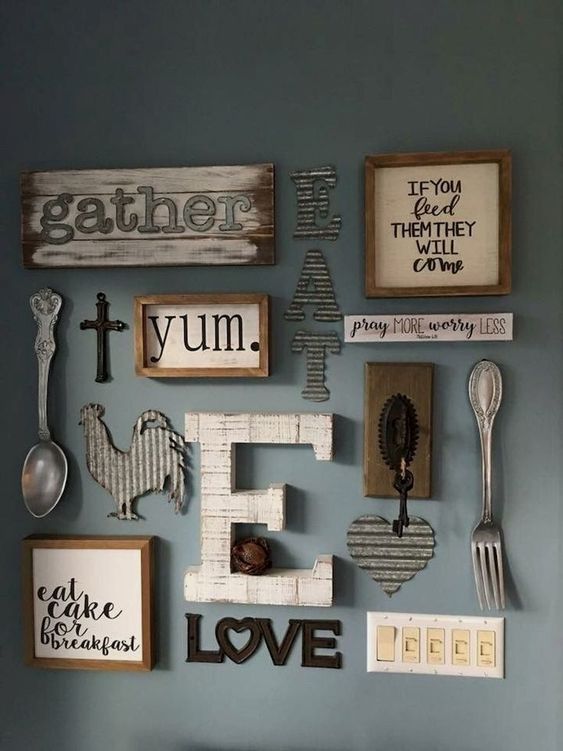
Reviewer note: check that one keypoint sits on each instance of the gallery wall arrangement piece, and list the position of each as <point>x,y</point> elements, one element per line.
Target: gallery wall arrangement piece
<point>435,327</point>
<point>222,507</point>
<point>383,382</point>
<point>202,335</point>
<point>398,439</point>
<point>314,287</point>
<point>88,602</point>
<point>102,326</point>
<point>485,395</point>
<point>438,224</point>
<point>185,216</point>
<point>390,560</point>
<point>155,460</point>
<point>313,201</point>
<point>251,556</point>
<point>316,345</point>
<point>261,630</point>
<point>45,468</point>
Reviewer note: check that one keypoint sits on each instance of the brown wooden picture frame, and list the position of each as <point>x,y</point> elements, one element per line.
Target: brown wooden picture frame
<point>145,545</point>
<point>142,355</point>
<point>373,287</point>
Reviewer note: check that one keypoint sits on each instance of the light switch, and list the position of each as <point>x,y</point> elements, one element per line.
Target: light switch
<point>460,646</point>
<point>411,644</point>
<point>435,646</point>
<point>486,649</point>
<point>386,644</point>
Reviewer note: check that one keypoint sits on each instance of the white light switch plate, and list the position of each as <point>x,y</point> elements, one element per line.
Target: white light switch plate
<point>493,627</point>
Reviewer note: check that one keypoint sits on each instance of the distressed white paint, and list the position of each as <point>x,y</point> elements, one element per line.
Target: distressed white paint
<point>222,507</point>
<point>234,225</point>
<point>449,327</point>
<point>478,202</point>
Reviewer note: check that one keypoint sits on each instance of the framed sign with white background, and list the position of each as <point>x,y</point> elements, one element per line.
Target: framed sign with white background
<point>201,335</point>
<point>88,602</point>
<point>438,224</point>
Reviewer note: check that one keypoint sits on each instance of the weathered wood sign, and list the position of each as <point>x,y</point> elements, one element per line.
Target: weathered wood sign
<point>260,629</point>
<point>222,507</point>
<point>382,381</point>
<point>448,327</point>
<point>183,336</point>
<point>186,216</point>
<point>438,224</point>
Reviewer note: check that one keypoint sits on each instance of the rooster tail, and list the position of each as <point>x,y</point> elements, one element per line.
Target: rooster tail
<point>178,473</point>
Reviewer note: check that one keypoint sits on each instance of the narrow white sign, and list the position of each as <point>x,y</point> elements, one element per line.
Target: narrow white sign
<point>447,327</point>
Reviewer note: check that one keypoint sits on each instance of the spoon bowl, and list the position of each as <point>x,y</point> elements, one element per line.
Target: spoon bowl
<point>44,477</point>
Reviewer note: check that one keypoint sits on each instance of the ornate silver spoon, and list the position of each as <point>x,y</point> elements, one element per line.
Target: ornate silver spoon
<point>45,467</point>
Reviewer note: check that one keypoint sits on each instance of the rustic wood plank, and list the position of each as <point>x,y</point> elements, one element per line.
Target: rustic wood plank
<point>443,327</point>
<point>148,217</point>
<point>383,380</point>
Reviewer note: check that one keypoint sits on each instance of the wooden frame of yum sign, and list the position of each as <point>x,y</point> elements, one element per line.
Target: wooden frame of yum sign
<point>186,216</point>
<point>202,335</point>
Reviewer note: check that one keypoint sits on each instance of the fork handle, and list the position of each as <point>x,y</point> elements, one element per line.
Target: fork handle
<point>485,395</point>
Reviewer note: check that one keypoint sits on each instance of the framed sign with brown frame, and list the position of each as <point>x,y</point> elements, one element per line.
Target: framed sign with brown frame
<point>438,224</point>
<point>202,335</point>
<point>88,602</point>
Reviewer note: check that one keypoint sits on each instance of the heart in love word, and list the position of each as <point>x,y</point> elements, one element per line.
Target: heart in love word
<point>260,629</point>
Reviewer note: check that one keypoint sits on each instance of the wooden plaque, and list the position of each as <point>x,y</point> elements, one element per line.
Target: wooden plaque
<point>438,224</point>
<point>433,327</point>
<point>88,602</point>
<point>383,380</point>
<point>186,216</point>
<point>196,336</point>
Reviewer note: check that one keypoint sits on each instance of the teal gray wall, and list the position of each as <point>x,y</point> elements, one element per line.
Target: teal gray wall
<point>109,84</point>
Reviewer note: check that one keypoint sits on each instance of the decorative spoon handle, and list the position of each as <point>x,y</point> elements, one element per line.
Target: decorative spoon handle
<point>45,306</point>
<point>485,395</point>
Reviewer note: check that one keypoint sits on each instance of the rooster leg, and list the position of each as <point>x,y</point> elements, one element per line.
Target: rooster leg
<point>128,513</point>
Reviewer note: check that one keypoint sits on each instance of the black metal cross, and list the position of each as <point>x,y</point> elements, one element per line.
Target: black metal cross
<point>102,325</point>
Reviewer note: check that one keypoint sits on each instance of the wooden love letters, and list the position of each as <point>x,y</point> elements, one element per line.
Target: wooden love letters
<point>187,216</point>
<point>187,336</point>
<point>260,629</point>
<point>222,507</point>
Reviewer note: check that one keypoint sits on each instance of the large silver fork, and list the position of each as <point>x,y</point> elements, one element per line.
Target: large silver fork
<point>485,394</point>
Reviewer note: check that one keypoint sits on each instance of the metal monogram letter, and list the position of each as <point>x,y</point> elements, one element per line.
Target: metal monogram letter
<point>314,288</point>
<point>222,507</point>
<point>313,203</point>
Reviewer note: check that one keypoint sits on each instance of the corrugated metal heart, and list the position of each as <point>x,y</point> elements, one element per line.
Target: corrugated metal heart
<point>390,560</point>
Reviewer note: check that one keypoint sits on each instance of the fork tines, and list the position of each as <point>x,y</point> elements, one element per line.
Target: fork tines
<point>489,574</point>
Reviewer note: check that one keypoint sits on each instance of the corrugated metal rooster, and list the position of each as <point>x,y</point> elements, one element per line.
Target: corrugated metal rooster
<point>154,462</point>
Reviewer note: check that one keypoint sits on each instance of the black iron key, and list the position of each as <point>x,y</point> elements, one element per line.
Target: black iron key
<point>402,483</point>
